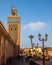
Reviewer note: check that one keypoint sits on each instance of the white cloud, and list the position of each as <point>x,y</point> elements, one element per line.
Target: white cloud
<point>35,26</point>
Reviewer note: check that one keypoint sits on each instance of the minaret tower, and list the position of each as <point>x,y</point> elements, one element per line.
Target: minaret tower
<point>14,28</point>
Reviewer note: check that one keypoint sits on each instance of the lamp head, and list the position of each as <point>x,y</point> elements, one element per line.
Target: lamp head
<point>46,36</point>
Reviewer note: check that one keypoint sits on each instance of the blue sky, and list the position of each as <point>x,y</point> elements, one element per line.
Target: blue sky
<point>36,16</point>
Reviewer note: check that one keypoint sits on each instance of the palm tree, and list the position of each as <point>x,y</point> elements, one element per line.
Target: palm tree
<point>37,45</point>
<point>31,37</point>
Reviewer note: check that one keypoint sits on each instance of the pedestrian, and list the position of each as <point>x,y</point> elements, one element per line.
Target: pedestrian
<point>32,62</point>
<point>19,58</point>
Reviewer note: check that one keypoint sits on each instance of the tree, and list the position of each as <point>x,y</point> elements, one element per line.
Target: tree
<point>31,37</point>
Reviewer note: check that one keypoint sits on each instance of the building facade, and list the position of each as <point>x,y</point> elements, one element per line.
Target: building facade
<point>7,45</point>
<point>49,51</point>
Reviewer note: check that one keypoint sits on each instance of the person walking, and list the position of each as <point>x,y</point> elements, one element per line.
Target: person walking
<point>32,62</point>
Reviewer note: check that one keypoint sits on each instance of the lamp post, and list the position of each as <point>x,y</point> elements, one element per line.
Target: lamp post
<point>43,39</point>
<point>37,45</point>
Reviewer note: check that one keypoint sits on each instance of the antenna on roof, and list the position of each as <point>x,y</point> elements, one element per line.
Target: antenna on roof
<point>13,4</point>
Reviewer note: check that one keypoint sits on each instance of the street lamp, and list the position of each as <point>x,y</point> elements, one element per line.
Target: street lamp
<point>42,39</point>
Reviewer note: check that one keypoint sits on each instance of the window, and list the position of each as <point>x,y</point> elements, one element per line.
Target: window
<point>14,40</point>
<point>11,29</point>
<point>15,29</point>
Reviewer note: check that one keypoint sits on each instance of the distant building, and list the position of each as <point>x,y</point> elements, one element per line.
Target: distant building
<point>27,51</point>
<point>49,51</point>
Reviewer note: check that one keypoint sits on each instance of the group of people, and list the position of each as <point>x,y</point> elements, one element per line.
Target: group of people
<point>21,58</point>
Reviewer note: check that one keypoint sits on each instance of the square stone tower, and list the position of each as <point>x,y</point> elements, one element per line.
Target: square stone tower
<point>14,28</point>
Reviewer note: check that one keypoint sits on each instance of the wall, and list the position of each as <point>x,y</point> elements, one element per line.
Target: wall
<point>7,45</point>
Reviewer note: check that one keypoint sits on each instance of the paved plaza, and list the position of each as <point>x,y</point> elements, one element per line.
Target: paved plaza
<point>46,62</point>
<point>16,62</point>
